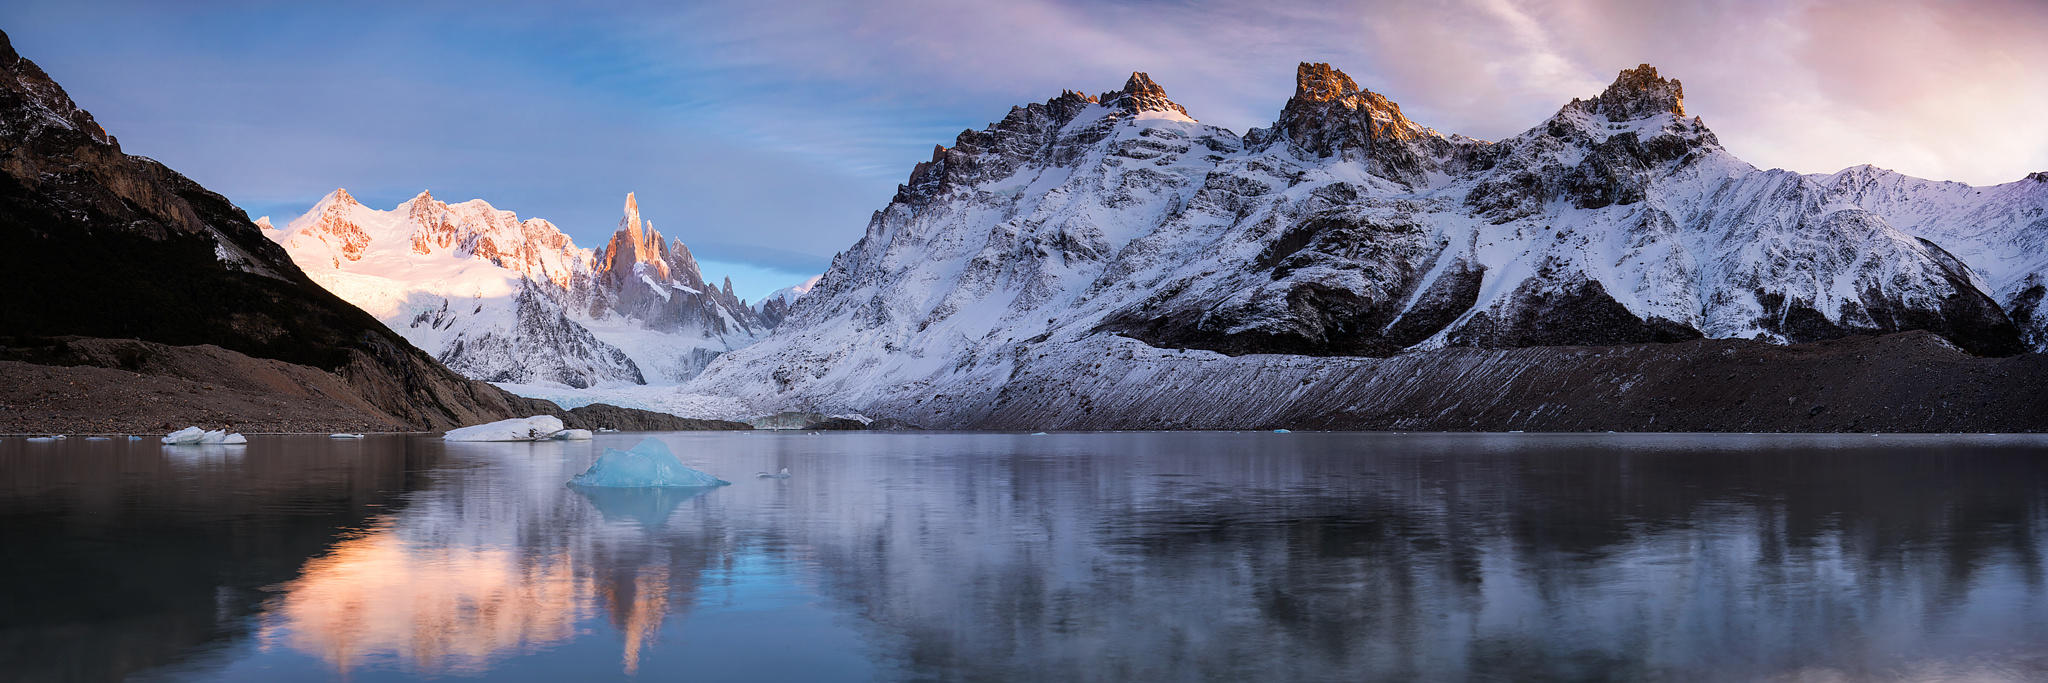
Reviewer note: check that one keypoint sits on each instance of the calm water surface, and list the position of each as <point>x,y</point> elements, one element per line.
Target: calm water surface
<point>1177,556</point>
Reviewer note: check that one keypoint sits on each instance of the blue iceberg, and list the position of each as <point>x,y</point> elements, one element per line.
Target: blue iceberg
<point>647,465</point>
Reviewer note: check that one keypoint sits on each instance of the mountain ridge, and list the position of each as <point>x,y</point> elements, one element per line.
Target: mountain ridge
<point>505,299</point>
<point>1347,230</point>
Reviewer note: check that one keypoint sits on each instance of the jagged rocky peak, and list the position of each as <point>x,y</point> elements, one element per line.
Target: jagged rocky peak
<point>979,155</point>
<point>330,221</point>
<point>1319,82</point>
<point>631,220</point>
<point>1640,92</point>
<point>635,242</point>
<point>1319,90</point>
<point>340,197</point>
<point>682,264</point>
<point>1141,95</point>
<point>49,106</point>
<point>424,210</point>
<point>641,232</point>
<point>1329,115</point>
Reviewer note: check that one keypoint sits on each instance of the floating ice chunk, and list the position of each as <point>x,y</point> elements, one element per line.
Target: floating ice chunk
<point>648,464</point>
<point>46,439</point>
<point>194,436</point>
<point>573,435</point>
<point>133,437</point>
<point>1282,431</point>
<point>1040,434</point>
<point>536,428</point>
<point>97,438</point>
<point>784,474</point>
<point>606,430</point>
<point>344,435</point>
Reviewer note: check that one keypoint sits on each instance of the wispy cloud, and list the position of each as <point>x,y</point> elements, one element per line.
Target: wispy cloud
<point>767,131</point>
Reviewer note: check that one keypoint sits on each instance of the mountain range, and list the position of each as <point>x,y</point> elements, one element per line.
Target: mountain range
<point>502,299</point>
<point>1086,240</point>
<point>140,301</point>
<point>1088,262</point>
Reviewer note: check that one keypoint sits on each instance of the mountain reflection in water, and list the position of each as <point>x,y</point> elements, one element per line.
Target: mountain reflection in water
<point>1068,557</point>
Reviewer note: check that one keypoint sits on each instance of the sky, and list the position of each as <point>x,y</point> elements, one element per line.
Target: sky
<point>764,133</point>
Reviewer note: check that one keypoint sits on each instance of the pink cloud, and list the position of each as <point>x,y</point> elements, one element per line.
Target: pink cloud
<point>1943,90</point>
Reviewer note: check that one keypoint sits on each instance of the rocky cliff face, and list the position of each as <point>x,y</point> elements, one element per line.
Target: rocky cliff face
<point>509,300</point>
<point>1348,229</point>
<point>108,245</point>
<point>661,285</point>
<point>1330,116</point>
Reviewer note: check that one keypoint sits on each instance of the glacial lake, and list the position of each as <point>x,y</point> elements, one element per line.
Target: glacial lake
<point>1066,557</point>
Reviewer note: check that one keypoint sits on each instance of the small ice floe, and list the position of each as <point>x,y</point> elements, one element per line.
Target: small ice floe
<point>1283,431</point>
<point>194,436</point>
<point>536,428</point>
<point>573,435</point>
<point>344,435</point>
<point>132,437</point>
<point>784,474</point>
<point>606,430</point>
<point>97,438</point>
<point>649,464</point>
<point>46,439</point>
<point>1040,434</point>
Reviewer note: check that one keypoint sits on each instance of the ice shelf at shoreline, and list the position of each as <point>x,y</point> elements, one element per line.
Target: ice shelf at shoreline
<point>534,428</point>
<point>649,464</point>
<point>194,436</point>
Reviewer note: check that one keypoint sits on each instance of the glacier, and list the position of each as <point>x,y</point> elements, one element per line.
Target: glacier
<point>649,464</point>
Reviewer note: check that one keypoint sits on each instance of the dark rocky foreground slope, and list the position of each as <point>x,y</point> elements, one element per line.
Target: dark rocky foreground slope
<point>138,299</point>
<point>1908,382</point>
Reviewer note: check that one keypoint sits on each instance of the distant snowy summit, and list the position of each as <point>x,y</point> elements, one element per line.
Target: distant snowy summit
<point>1048,241</point>
<point>502,299</point>
<point>774,307</point>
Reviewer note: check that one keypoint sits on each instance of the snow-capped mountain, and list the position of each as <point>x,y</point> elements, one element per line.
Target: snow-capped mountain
<point>508,300</point>
<point>774,307</point>
<point>109,250</point>
<point>1054,237</point>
